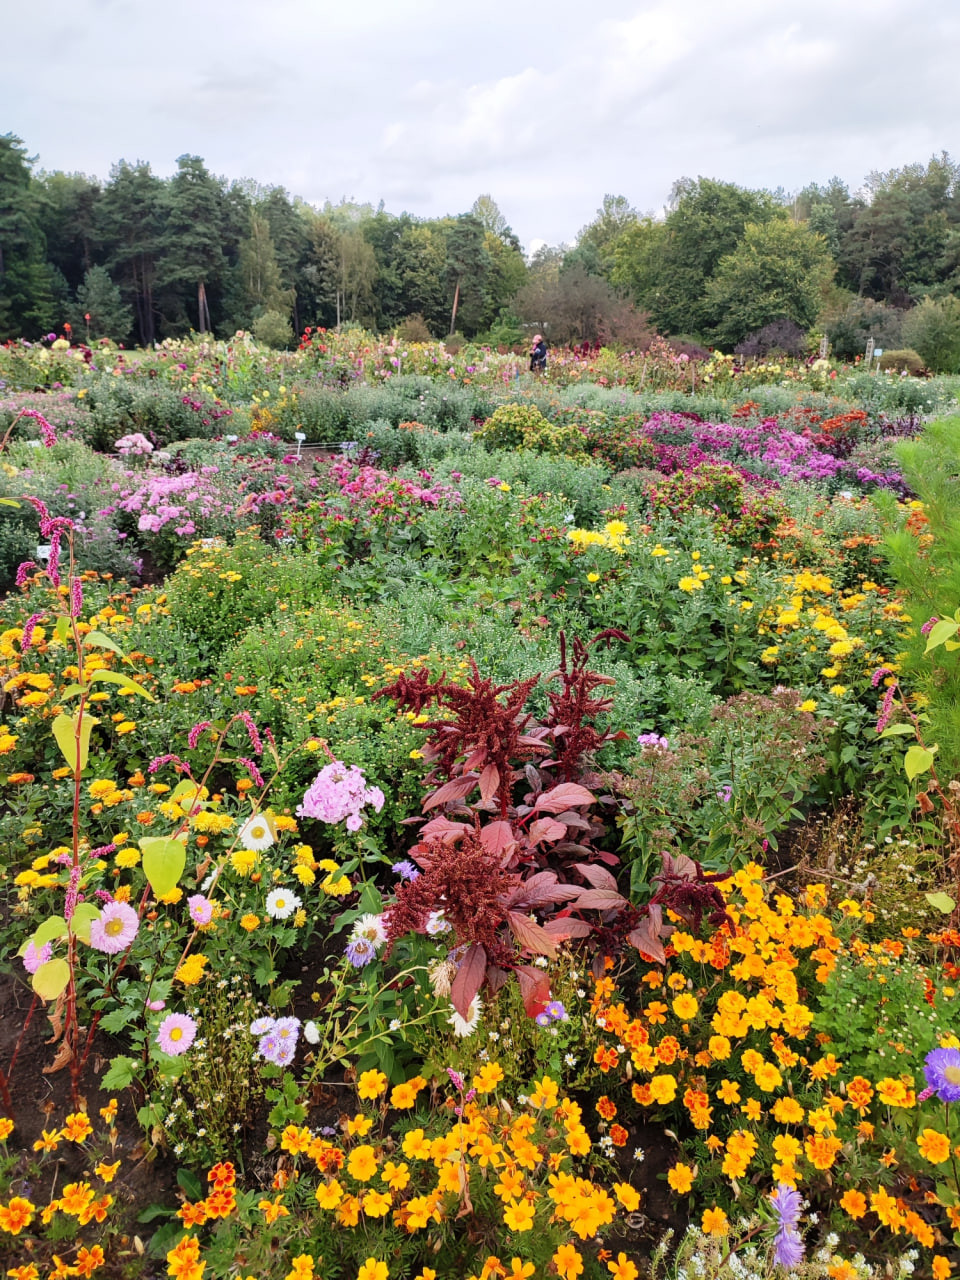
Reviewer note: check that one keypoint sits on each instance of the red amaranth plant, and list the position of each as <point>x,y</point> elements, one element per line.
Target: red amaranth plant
<point>574,708</point>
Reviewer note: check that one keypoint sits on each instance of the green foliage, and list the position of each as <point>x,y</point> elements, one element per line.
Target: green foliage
<point>905,361</point>
<point>933,329</point>
<point>511,425</point>
<point>99,298</point>
<point>778,270</point>
<point>273,329</point>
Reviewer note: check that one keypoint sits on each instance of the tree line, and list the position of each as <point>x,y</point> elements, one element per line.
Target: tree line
<point>139,258</point>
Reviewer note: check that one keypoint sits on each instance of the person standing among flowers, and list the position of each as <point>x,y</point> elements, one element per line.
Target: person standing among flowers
<point>538,355</point>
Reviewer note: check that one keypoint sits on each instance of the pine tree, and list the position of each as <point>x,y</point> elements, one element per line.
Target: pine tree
<point>26,298</point>
<point>99,299</point>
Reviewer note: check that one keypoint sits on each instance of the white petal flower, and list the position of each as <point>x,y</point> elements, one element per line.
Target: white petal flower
<point>256,834</point>
<point>466,1026</point>
<point>281,903</point>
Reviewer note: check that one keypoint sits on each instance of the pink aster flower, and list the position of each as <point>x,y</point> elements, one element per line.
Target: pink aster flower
<point>176,1034</point>
<point>116,928</point>
<point>34,957</point>
<point>200,908</point>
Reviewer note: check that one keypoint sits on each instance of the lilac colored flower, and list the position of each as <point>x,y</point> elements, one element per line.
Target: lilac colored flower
<point>338,794</point>
<point>787,1245</point>
<point>269,1047</point>
<point>200,908</point>
<point>788,1204</point>
<point>787,1249</point>
<point>176,1034</point>
<point>116,928</point>
<point>287,1029</point>
<point>285,1052</point>
<point>557,1011</point>
<point>360,951</point>
<point>543,1019</point>
<point>928,626</point>
<point>34,958</point>
<point>941,1068</point>
<point>156,1005</point>
<point>405,870</point>
<point>653,740</point>
<point>262,1026</point>
<point>725,793</point>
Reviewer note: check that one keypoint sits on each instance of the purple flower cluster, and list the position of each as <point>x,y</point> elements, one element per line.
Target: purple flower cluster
<point>787,1244</point>
<point>554,1012</point>
<point>655,740</point>
<point>278,1039</point>
<point>339,793</point>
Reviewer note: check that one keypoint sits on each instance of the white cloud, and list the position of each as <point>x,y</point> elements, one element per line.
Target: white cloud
<point>425,104</point>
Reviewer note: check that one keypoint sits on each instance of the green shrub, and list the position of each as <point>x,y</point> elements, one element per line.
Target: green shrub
<point>510,425</point>
<point>905,361</point>
<point>933,329</point>
<point>273,329</point>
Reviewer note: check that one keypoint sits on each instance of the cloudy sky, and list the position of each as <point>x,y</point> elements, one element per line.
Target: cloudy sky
<point>546,105</point>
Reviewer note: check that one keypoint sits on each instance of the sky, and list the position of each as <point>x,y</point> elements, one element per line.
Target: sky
<point>425,104</point>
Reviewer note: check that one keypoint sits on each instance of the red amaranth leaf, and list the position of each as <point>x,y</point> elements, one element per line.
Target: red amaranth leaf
<point>545,829</point>
<point>531,935</point>
<point>564,796</point>
<point>468,979</point>
<point>455,789</point>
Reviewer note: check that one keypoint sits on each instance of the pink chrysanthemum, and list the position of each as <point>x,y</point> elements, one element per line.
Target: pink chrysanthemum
<point>176,1034</point>
<point>200,908</point>
<point>116,928</point>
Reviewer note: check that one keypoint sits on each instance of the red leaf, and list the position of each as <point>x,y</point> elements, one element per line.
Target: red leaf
<point>441,828</point>
<point>489,781</point>
<point>456,789</point>
<point>563,797</point>
<point>545,829</point>
<point>597,876</point>
<point>530,935</point>
<point>567,927</point>
<point>497,837</point>
<point>535,988</point>
<point>600,900</point>
<point>644,938</point>
<point>468,980</point>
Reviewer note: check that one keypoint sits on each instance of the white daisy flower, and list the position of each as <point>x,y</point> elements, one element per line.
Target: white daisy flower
<point>372,928</point>
<point>281,903</point>
<point>466,1026</point>
<point>257,834</point>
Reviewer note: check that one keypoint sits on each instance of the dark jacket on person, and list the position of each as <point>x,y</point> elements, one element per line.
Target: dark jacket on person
<point>538,357</point>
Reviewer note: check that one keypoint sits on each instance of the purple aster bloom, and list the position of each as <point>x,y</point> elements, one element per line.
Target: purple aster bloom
<point>285,1052</point>
<point>261,1026</point>
<point>787,1244</point>
<point>941,1067</point>
<point>287,1029</point>
<point>405,870</point>
<point>176,1034</point>
<point>360,951</point>
<point>269,1047</point>
<point>787,1249</point>
<point>557,1011</point>
<point>788,1204</point>
<point>724,794</point>
<point>543,1019</point>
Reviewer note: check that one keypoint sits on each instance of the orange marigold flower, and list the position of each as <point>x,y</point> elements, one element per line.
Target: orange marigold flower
<point>715,1223</point>
<point>854,1203</point>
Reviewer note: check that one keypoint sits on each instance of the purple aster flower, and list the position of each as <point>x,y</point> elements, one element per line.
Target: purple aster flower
<point>543,1019</point>
<point>787,1244</point>
<point>285,1052</point>
<point>269,1047</point>
<point>787,1249</point>
<point>725,792</point>
<point>287,1030</point>
<point>261,1026</point>
<point>176,1034</point>
<point>941,1067</point>
<point>556,1011</point>
<point>405,870</point>
<point>360,951</point>
<point>116,928</point>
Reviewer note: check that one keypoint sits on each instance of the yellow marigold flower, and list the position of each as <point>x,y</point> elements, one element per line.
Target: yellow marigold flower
<point>127,858</point>
<point>243,861</point>
<point>371,1084</point>
<point>249,922</point>
<point>715,1223</point>
<point>518,1215</point>
<point>680,1178</point>
<point>685,1007</point>
<point>101,787</point>
<point>488,1077</point>
<point>191,970</point>
<point>934,1146</point>
<point>362,1162</point>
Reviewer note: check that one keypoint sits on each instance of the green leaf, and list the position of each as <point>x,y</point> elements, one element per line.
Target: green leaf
<point>52,928</point>
<point>117,677</point>
<point>8,502</point>
<point>83,916</point>
<point>898,731</point>
<point>123,1072</point>
<point>917,760</point>
<point>62,629</point>
<point>51,979</point>
<point>941,901</point>
<point>190,1183</point>
<point>163,863</point>
<point>104,642</point>
<point>939,632</point>
<point>70,691</point>
<point>65,732</point>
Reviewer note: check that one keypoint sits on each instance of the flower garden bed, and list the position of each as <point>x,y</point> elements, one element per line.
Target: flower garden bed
<point>523,846</point>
